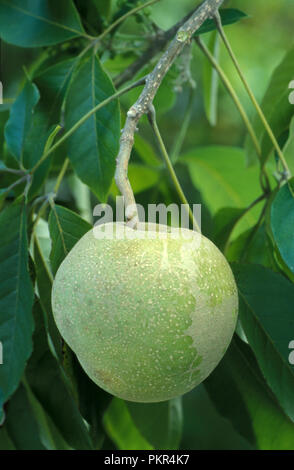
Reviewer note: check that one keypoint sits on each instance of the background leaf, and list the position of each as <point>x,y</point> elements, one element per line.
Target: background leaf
<point>159,423</point>
<point>42,22</point>
<point>52,389</point>
<point>282,223</point>
<point>240,394</point>
<point>266,312</point>
<point>16,298</point>
<point>20,120</point>
<point>93,147</point>
<point>66,228</point>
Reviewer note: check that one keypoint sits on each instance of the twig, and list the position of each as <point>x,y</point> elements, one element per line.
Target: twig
<point>157,45</point>
<point>145,100</point>
<point>124,17</point>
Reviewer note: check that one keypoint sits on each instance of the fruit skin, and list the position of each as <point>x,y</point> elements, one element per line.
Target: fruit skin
<point>148,319</point>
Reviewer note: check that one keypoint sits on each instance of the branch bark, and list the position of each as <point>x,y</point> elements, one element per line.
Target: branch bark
<point>143,104</point>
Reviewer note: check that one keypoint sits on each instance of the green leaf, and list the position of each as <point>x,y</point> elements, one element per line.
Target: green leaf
<point>66,228</point>
<point>42,22</point>
<point>146,152</point>
<point>20,120</point>
<point>282,222</point>
<point>121,428</point>
<point>21,423</point>
<point>224,223</point>
<point>255,249</point>
<point>240,394</point>
<point>52,389</point>
<point>159,423</point>
<point>228,16</point>
<point>211,81</point>
<point>52,83</point>
<point>16,298</point>
<point>276,107</point>
<point>93,402</point>
<point>92,148</point>
<point>141,178</point>
<point>204,428</point>
<point>220,175</point>
<point>266,311</point>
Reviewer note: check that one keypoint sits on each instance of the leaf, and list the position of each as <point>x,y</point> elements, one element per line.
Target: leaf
<point>43,23</point>
<point>240,394</point>
<point>66,228</point>
<point>210,81</point>
<point>228,16</point>
<point>20,120</point>
<point>224,223</point>
<point>282,223</point>
<point>93,402</point>
<point>256,249</point>
<point>16,298</point>
<point>141,179</point>
<point>21,423</point>
<point>204,428</point>
<point>146,152</point>
<point>276,108</point>
<point>92,148</point>
<point>50,386</point>
<point>159,423</point>
<point>266,312</point>
<point>52,83</point>
<point>219,173</point>
<point>121,429</point>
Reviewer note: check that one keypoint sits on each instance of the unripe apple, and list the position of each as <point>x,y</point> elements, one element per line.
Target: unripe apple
<point>149,313</point>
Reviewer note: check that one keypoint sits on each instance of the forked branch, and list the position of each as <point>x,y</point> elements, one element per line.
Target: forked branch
<point>143,104</point>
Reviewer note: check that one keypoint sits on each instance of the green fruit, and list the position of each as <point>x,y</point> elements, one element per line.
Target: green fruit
<point>148,319</point>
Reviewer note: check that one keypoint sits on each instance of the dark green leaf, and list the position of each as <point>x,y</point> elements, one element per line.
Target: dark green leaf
<point>16,298</point>
<point>42,22</point>
<point>20,120</point>
<point>276,107</point>
<point>21,423</point>
<point>92,148</point>
<point>240,394</point>
<point>282,223</point>
<point>159,423</point>
<point>266,312</point>
<point>52,389</point>
<point>66,228</point>
<point>121,428</point>
<point>228,16</point>
<point>224,223</point>
<point>204,428</point>
<point>93,401</point>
